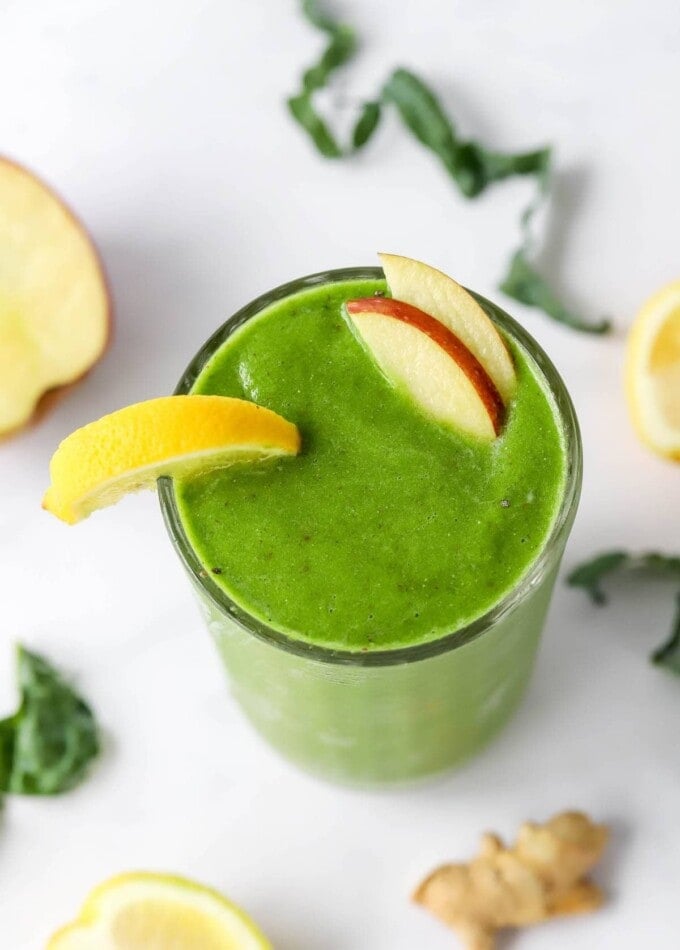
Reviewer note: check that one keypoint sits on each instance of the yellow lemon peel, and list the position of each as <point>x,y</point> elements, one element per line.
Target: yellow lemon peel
<point>174,435</point>
<point>141,911</point>
<point>653,372</point>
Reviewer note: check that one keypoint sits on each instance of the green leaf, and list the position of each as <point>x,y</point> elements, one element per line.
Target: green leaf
<point>668,654</point>
<point>422,113</point>
<point>590,575</point>
<point>6,750</point>
<point>474,168</point>
<point>312,11</point>
<point>523,282</point>
<point>484,167</point>
<point>303,111</point>
<point>340,49</point>
<point>47,745</point>
<point>367,123</point>
<point>470,165</point>
<point>500,165</point>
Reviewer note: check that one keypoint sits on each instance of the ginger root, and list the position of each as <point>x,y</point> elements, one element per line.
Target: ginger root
<point>541,876</point>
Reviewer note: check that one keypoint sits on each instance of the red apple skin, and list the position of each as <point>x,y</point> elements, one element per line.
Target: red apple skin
<point>449,342</point>
<point>51,397</point>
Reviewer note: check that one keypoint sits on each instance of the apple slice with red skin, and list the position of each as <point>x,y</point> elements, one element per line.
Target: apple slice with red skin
<point>55,309</point>
<point>442,297</point>
<point>417,352</point>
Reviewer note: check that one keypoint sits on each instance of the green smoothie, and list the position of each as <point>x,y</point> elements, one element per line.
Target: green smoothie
<point>388,529</point>
<point>335,581</point>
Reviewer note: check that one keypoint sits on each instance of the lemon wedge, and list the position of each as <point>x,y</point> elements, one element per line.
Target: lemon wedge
<point>653,372</point>
<point>174,435</point>
<point>143,911</point>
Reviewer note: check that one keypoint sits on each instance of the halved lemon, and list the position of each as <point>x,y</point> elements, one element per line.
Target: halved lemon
<point>174,435</point>
<point>653,372</point>
<point>144,911</point>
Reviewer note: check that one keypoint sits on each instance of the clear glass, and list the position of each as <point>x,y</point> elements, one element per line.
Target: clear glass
<point>397,715</point>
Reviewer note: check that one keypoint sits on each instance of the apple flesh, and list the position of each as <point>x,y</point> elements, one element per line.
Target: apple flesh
<point>442,297</point>
<point>55,310</point>
<point>423,356</point>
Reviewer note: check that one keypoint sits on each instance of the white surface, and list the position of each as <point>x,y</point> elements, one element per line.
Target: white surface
<point>163,126</point>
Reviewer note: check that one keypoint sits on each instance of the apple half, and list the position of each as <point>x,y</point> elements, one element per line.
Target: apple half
<point>422,355</point>
<point>55,309</point>
<point>430,290</point>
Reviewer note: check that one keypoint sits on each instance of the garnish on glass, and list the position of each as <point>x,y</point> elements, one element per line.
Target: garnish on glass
<point>432,339</point>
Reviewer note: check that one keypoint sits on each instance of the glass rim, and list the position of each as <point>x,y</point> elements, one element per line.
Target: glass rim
<point>431,648</point>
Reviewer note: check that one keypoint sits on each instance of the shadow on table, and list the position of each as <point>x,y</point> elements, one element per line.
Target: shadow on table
<point>306,934</point>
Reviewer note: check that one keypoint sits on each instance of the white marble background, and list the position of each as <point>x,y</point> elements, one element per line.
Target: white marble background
<point>163,125</point>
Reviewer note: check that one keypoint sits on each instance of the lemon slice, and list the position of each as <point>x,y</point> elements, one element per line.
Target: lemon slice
<point>142,911</point>
<point>174,435</point>
<point>653,372</point>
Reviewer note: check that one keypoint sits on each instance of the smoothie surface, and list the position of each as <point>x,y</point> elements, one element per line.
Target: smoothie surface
<point>388,530</point>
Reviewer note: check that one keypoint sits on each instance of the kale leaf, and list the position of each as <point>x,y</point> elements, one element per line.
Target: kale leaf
<point>48,744</point>
<point>471,166</point>
<point>523,282</point>
<point>590,575</point>
<point>668,654</point>
<point>340,49</point>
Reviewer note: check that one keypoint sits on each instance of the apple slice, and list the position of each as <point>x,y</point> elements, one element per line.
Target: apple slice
<point>433,292</point>
<point>421,354</point>
<point>54,302</point>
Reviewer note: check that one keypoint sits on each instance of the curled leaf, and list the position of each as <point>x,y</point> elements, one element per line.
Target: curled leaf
<point>469,164</point>
<point>668,654</point>
<point>472,167</point>
<point>422,113</point>
<point>366,125</point>
<point>303,111</point>
<point>523,282</point>
<point>341,47</point>
<point>339,51</point>
<point>590,574</point>
<point>589,577</point>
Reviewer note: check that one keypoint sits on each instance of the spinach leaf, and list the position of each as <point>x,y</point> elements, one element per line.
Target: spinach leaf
<point>589,577</point>
<point>471,166</point>
<point>47,745</point>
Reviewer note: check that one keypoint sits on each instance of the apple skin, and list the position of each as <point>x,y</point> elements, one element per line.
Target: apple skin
<point>53,394</point>
<point>446,339</point>
<point>446,300</point>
